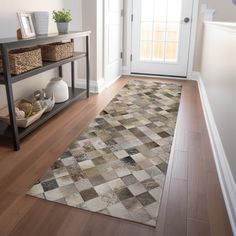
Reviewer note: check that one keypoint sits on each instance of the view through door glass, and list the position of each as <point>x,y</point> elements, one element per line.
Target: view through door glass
<point>161,36</point>
<point>160,24</point>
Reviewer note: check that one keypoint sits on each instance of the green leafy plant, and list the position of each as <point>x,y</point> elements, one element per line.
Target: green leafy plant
<point>62,16</point>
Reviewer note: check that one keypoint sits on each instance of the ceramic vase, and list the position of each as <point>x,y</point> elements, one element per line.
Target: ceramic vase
<point>59,89</point>
<point>41,19</point>
<point>63,27</point>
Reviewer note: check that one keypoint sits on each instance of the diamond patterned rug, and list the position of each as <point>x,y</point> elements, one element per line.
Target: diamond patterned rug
<point>118,165</point>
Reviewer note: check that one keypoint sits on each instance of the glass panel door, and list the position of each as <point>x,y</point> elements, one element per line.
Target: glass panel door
<point>161,36</point>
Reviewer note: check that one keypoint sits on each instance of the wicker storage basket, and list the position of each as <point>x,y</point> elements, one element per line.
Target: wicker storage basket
<point>22,60</point>
<point>57,51</point>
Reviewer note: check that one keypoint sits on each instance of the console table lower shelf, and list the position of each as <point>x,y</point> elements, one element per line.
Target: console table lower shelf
<point>74,94</point>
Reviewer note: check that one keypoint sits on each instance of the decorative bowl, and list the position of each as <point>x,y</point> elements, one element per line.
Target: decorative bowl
<point>49,103</point>
<point>23,122</point>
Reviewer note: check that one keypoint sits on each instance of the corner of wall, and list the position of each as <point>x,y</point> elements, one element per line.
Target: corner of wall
<point>195,75</point>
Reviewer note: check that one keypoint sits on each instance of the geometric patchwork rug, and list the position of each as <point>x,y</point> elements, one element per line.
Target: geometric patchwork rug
<point>118,165</point>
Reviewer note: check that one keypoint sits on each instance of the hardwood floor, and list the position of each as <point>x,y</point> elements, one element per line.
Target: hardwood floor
<point>192,202</point>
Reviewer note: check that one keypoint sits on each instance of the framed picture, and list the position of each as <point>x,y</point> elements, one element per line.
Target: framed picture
<point>26,24</point>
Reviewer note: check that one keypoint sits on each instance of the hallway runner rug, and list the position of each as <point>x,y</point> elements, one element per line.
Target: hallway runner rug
<point>118,165</point>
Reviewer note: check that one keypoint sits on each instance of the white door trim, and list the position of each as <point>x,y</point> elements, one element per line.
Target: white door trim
<point>193,38</point>
<point>106,80</point>
<point>128,39</point>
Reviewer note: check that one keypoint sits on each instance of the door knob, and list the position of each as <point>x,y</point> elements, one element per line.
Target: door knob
<point>186,19</point>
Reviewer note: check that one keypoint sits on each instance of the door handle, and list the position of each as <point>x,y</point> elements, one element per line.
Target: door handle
<point>186,20</point>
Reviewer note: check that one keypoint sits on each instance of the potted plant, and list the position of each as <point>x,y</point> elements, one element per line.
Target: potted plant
<point>62,18</point>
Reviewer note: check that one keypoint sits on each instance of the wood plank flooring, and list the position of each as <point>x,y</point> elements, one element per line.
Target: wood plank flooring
<point>192,202</point>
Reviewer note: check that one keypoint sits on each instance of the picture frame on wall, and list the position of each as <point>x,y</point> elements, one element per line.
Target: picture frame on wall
<point>26,24</point>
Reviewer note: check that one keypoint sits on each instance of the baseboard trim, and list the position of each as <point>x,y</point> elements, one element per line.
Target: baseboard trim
<point>195,76</point>
<point>95,86</point>
<point>109,83</point>
<point>225,175</point>
<point>125,70</point>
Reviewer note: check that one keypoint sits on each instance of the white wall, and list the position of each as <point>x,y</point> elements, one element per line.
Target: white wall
<point>89,8</point>
<point>100,39</point>
<point>224,11</point>
<point>8,9</point>
<point>93,20</point>
<point>219,76</point>
<point>75,25</point>
<point>9,24</point>
<point>217,84</point>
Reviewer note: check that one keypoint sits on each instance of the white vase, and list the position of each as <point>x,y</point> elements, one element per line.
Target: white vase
<point>63,27</point>
<point>41,19</point>
<point>59,89</point>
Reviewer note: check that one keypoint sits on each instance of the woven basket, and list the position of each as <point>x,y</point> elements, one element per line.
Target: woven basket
<point>57,51</point>
<point>22,60</point>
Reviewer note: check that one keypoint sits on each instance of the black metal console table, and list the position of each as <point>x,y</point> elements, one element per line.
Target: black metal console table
<point>6,79</point>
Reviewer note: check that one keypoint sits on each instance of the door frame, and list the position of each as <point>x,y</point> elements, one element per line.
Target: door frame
<point>128,38</point>
<point>105,59</point>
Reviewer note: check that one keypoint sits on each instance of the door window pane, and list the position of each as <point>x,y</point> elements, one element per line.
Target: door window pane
<point>159,51</point>
<point>146,31</point>
<point>147,10</point>
<point>174,10</point>
<point>146,50</point>
<point>172,32</point>
<point>160,30</point>
<point>171,52</point>
<point>160,13</point>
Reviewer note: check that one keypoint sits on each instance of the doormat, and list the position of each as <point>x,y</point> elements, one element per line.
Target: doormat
<point>118,165</point>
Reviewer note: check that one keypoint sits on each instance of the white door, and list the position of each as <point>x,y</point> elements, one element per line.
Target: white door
<point>113,40</point>
<point>161,37</point>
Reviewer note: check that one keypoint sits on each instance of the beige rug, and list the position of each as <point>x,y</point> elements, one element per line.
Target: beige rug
<point>118,165</point>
